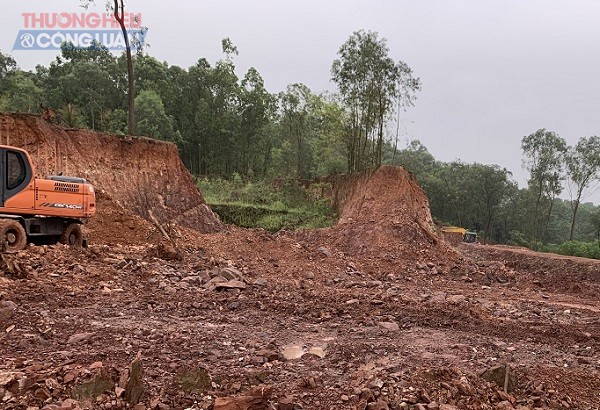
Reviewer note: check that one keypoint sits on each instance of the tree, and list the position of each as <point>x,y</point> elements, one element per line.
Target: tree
<point>153,121</point>
<point>18,89</point>
<point>583,165</point>
<point>329,122</point>
<point>544,151</point>
<point>224,121</point>
<point>85,81</point>
<point>415,158</point>
<point>119,13</point>
<point>21,94</point>
<point>447,185</point>
<point>370,82</point>
<point>256,110</point>
<point>490,188</point>
<point>295,119</point>
<point>118,10</point>
<point>151,74</point>
<point>8,65</point>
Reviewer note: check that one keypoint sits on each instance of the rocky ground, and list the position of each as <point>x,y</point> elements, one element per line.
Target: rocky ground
<point>249,320</point>
<point>377,312</point>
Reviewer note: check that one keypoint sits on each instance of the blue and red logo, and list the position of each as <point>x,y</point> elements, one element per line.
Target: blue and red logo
<point>49,31</point>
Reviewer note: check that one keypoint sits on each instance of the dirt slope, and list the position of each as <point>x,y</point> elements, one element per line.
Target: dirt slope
<point>560,273</point>
<point>140,174</point>
<point>388,198</point>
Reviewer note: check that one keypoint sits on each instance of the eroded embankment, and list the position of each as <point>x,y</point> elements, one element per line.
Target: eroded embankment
<point>385,207</point>
<point>141,175</point>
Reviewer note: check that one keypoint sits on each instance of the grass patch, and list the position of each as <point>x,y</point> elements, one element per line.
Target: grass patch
<point>285,205</point>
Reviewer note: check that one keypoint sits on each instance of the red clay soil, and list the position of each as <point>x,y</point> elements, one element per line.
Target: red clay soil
<point>385,214</point>
<point>375,313</point>
<point>141,174</point>
<point>113,224</point>
<point>567,274</point>
<point>385,208</point>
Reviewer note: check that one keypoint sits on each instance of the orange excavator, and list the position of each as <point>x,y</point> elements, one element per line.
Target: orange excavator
<point>54,208</point>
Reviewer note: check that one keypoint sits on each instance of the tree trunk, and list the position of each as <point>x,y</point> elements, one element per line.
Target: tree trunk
<point>119,16</point>
<point>572,232</point>
<point>536,212</point>
<point>575,207</point>
<point>488,223</point>
<point>548,217</point>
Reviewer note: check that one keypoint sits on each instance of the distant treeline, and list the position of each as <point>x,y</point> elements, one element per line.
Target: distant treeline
<point>233,127</point>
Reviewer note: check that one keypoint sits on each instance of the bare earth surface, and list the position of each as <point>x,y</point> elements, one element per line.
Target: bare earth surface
<point>377,312</point>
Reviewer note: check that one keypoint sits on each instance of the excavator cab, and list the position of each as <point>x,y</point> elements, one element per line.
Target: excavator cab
<point>470,237</point>
<point>17,173</point>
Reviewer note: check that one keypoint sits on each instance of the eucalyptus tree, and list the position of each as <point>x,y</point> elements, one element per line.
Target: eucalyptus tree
<point>119,13</point>
<point>370,83</point>
<point>583,165</point>
<point>117,8</point>
<point>83,84</point>
<point>256,111</point>
<point>153,121</point>
<point>295,117</point>
<point>20,93</point>
<point>544,159</point>
<point>8,65</point>
<point>490,188</point>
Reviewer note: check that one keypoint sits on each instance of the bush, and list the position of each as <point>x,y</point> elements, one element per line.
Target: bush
<point>257,204</point>
<point>517,238</point>
<point>575,248</point>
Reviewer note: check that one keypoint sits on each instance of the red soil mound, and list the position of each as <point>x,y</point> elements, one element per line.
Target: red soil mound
<point>383,207</point>
<point>383,212</point>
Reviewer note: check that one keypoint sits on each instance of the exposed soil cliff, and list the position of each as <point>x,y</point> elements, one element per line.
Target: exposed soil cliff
<point>141,175</point>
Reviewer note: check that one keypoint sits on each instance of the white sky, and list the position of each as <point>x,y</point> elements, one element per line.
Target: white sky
<point>492,71</point>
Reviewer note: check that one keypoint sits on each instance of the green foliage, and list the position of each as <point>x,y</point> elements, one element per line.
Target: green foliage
<point>152,119</point>
<point>311,129</point>
<point>575,248</point>
<point>517,238</point>
<point>583,166</point>
<point>21,94</point>
<point>8,66</point>
<point>544,159</point>
<point>284,204</point>
<point>71,116</point>
<point>414,157</point>
<point>372,85</point>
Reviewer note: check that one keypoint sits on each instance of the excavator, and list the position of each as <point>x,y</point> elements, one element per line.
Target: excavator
<point>453,232</point>
<point>31,208</point>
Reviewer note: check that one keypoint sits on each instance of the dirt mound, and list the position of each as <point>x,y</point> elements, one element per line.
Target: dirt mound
<point>388,194</point>
<point>141,174</point>
<point>132,229</point>
<point>385,208</point>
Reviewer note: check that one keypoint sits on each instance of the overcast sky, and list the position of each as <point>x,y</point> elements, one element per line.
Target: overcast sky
<point>492,71</point>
